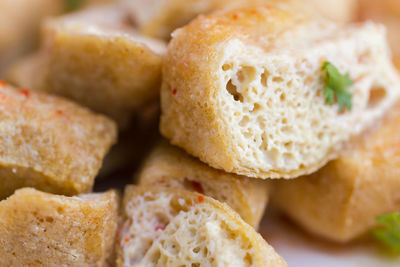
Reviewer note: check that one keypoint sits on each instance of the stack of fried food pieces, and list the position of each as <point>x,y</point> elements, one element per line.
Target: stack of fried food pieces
<point>250,92</point>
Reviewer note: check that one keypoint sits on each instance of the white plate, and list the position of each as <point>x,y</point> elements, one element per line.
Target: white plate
<point>302,250</point>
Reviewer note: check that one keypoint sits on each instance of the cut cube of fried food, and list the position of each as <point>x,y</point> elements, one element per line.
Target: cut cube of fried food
<point>243,90</point>
<point>50,143</point>
<point>169,166</point>
<point>175,227</point>
<point>38,228</point>
<point>96,58</point>
<point>340,201</point>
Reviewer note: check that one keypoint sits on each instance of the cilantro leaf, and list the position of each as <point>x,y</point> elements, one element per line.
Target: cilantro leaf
<point>388,231</point>
<point>335,87</point>
<point>72,5</point>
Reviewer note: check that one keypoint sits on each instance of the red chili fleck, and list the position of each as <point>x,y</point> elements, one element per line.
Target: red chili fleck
<point>2,83</point>
<point>161,181</point>
<point>235,16</point>
<point>174,91</point>
<point>59,112</point>
<point>2,96</point>
<point>25,92</point>
<point>126,240</point>
<point>159,227</point>
<point>197,187</point>
<point>201,198</point>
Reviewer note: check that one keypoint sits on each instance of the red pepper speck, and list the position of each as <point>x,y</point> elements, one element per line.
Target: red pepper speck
<point>59,112</point>
<point>161,181</point>
<point>201,198</point>
<point>235,16</point>
<point>197,187</point>
<point>25,92</point>
<point>174,91</point>
<point>3,83</point>
<point>126,240</point>
<point>159,227</point>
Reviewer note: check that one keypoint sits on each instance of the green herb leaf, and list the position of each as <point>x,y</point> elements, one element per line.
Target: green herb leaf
<point>388,231</point>
<point>72,5</point>
<point>335,87</point>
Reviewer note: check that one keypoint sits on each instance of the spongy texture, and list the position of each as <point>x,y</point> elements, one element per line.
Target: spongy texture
<point>170,166</point>
<point>41,229</point>
<point>96,58</point>
<point>49,143</point>
<point>243,90</point>
<point>341,201</point>
<point>170,227</point>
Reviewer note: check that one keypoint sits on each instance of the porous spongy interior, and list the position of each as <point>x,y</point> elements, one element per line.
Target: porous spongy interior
<point>200,237</point>
<point>167,230</point>
<point>273,107</point>
<point>147,215</point>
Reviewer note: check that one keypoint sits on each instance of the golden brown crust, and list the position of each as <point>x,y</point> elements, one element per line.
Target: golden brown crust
<point>96,58</point>
<point>340,201</point>
<point>50,143</point>
<point>200,116</point>
<point>39,229</point>
<point>168,166</point>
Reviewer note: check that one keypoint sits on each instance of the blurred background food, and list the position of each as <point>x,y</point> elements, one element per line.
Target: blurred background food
<point>106,57</point>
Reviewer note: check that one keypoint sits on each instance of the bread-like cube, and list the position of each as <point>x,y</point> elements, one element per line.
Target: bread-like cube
<point>340,201</point>
<point>158,18</point>
<point>388,13</point>
<point>243,90</point>
<point>175,227</point>
<point>96,58</point>
<point>169,166</point>
<point>49,143</point>
<point>42,229</point>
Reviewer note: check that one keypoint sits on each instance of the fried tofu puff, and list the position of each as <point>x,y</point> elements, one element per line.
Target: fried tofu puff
<point>341,200</point>
<point>175,227</point>
<point>49,143</point>
<point>169,166</point>
<point>38,229</point>
<point>243,90</point>
<point>96,58</point>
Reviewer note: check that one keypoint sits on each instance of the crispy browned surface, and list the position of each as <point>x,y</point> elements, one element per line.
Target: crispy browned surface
<point>96,58</point>
<point>49,143</point>
<point>340,201</point>
<point>38,229</point>
<point>169,166</point>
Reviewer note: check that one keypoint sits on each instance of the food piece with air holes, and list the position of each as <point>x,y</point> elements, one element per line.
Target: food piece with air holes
<point>38,229</point>
<point>96,58</point>
<point>243,90</point>
<point>170,166</point>
<point>50,143</point>
<point>175,227</point>
<point>341,200</point>
<point>388,13</point>
<point>158,18</point>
